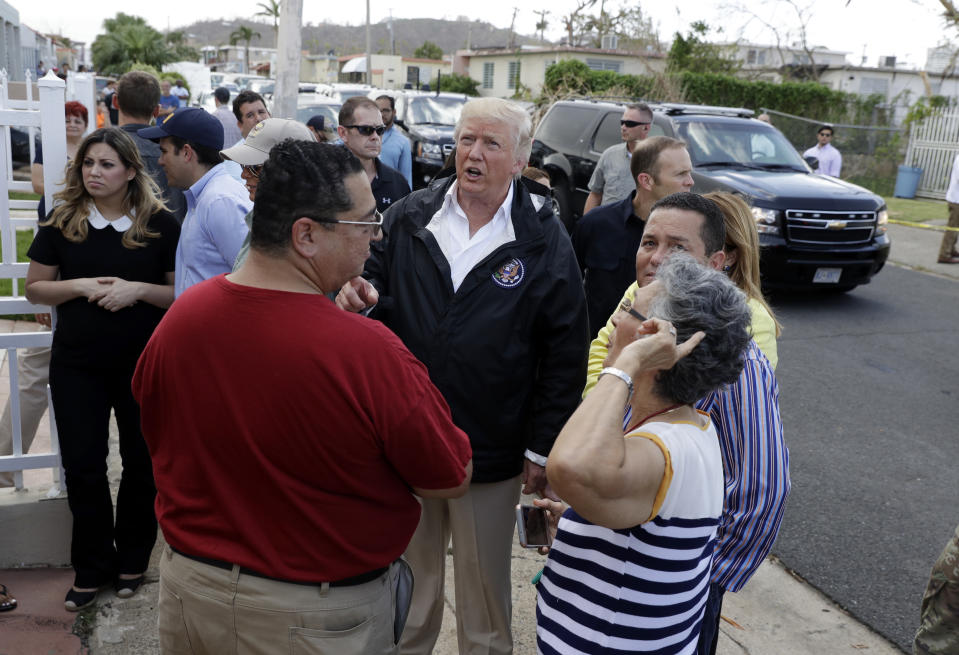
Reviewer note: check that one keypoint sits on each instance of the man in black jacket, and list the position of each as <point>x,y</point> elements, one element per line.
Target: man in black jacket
<point>137,101</point>
<point>361,129</point>
<point>479,280</point>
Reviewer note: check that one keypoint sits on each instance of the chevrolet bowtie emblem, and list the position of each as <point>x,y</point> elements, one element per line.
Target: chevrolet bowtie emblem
<point>836,225</point>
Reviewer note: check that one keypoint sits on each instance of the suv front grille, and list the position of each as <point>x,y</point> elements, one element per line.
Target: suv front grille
<point>447,149</point>
<point>825,227</point>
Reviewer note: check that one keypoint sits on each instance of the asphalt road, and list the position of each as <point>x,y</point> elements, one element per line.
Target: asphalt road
<point>869,385</point>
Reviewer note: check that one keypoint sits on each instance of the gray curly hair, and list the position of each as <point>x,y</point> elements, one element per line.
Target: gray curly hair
<point>696,297</point>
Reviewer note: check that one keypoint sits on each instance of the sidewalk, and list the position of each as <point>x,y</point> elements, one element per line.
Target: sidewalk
<point>776,613</point>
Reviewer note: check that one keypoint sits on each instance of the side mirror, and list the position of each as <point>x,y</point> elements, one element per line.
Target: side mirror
<point>812,161</point>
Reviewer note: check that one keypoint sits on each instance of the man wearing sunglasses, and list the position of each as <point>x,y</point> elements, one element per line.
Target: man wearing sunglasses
<point>288,465</point>
<point>361,130</point>
<point>830,161</point>
<point>611,180</point>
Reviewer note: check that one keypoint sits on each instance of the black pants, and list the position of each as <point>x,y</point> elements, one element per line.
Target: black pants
<point>101,549</point>
<point>709,634</point>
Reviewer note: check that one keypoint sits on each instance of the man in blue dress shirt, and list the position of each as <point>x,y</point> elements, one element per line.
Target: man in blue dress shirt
<point>213,230</point>
<point>395,152</point>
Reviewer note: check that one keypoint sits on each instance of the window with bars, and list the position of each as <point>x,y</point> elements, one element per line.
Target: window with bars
<point>488,75</point>
<point>512,76</point>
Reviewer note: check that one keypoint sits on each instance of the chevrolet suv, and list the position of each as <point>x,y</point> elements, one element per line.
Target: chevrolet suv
<point>814,231</point>
<point>427,120</point>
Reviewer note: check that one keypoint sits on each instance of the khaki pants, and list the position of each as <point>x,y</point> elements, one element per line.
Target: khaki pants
<point>948,245</point>
<point>481,524</point>
<point>34,370</point>
<point>204,609</point>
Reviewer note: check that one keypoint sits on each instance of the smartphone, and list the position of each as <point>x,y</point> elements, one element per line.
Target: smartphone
<point>532,524</point>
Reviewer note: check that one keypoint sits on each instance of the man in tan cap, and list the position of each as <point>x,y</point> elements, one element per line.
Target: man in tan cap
<point>251,153</point>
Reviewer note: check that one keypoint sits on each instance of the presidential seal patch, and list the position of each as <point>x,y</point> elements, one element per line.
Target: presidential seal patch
<point>510,274</point>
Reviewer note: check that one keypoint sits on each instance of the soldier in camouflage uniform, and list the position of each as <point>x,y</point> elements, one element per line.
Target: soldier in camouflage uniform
<point>939,631</point>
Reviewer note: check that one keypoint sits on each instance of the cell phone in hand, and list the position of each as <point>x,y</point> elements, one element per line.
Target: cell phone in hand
<point>532,524</point>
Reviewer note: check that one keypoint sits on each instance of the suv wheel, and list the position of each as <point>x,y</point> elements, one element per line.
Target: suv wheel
<point>561,203</point>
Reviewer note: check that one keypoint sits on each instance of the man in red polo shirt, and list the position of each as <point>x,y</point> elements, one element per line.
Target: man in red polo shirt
<point>289,437</point>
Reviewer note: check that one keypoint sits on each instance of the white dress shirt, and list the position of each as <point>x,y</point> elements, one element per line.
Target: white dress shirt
<point>451,228</point>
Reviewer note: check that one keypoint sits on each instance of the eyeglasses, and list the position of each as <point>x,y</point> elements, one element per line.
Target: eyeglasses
<point>376,223</point>
<point>626,123</point>
<point>367,130</point>
<point>253,169</point>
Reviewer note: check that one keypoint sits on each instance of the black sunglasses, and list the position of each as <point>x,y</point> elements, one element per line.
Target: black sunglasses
<point>632,123</point>
<point>367,130</point>
<point>253,169</point>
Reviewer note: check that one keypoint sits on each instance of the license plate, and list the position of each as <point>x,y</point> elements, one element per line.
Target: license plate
<point>827,275</point>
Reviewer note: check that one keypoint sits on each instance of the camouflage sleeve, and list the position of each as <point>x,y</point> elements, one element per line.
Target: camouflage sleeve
<point>939,628</point>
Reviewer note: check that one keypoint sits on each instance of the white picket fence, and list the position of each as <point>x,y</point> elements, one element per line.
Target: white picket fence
<point>46,113</point>
<point>933,146</point>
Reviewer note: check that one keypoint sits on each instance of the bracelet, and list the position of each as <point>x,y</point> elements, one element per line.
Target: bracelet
<point>622,375</point>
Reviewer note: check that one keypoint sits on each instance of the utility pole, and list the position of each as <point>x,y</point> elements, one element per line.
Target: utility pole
<point>288,45</point>
<point>369,70</point>
<point>512,40</point>
<point>542,23</point>
<point>392,36</point>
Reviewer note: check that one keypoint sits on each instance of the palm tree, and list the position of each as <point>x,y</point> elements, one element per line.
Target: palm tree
<point>244,33</point>
<point>117,50</point>
<point>271,9</point>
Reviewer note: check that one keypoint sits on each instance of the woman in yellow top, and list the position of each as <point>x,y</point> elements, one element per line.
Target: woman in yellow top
<point>742,267</point>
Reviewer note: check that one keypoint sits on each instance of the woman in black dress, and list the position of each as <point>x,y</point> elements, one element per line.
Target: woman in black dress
<point>105,258</point>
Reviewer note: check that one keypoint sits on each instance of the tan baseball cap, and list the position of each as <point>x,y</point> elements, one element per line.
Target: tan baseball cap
<point>255,149</point>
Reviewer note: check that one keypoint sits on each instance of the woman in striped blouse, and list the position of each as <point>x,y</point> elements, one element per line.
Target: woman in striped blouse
<point>629,567</point>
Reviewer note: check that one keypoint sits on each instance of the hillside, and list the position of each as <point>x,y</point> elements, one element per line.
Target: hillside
<point>409,34</point>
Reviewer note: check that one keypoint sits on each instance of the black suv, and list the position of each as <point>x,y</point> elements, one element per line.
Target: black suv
<point>427,120</point>
<point>814,231</point>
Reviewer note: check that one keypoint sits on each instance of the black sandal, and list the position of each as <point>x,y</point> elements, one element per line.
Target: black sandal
<point>7,602</point>
<point>77,600</point>
<point>126,587</point>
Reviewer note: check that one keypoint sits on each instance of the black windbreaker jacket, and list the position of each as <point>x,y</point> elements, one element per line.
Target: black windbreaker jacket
<point>508,349</point>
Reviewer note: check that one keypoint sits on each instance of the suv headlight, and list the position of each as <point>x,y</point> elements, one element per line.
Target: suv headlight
<point>766,220</point>
<point>430,150</point>
<point>882,221</point>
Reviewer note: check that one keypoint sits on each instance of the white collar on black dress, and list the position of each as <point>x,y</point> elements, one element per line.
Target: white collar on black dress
<point>96,220</point>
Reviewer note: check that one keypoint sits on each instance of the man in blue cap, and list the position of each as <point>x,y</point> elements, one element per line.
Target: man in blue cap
<point>213,230</point>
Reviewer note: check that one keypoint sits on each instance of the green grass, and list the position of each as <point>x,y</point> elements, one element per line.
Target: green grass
<point>24,195</point>
<point>916,211</point>
<point>24,239</point>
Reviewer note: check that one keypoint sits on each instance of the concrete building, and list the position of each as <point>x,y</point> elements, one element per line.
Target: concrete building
<point>323,69</point>
<point>11,56</point>
<point>772,63</point>
<point>232,58</point>
<point>392,71</point>
<point>505,72</point>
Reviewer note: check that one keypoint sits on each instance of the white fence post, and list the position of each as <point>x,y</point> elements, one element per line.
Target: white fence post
<point>53,127</point>
<point>82,88</point>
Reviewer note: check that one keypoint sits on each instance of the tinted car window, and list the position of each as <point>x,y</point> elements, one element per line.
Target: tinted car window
<point>608,133</point>
<point>330,113</point>
<point>563,126</point>
<point>742,142</point>
<point>438,111</point>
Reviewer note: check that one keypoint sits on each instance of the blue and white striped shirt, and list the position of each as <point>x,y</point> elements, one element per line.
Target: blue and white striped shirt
<point>641,589</point>
<point>756,467</point>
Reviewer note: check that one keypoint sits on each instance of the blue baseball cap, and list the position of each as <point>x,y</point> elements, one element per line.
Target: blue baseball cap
<point>192,124</point>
